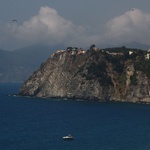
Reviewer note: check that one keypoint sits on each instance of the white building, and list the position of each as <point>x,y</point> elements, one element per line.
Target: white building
<point>130,52</point>
<point>147,56</point>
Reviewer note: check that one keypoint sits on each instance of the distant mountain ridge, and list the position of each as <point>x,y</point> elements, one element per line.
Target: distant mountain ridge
<point>136,45</point>
<point>17,65</point>
<point>132,44</point>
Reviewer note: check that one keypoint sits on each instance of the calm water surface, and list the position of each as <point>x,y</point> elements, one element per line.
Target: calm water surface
<point>40,124</point>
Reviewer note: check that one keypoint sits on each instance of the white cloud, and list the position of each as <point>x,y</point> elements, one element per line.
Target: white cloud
<point>48,27</point>
<point>133,25</point>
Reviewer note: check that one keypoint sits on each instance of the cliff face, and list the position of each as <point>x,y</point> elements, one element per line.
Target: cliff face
<point>92,74</point>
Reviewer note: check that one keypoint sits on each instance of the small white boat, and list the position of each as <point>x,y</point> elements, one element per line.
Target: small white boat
<point>68,137</point>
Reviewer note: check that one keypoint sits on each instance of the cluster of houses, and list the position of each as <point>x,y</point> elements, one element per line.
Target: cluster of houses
<point>72,50</point>
<point>114,53</point>
<point>147,55</point>
<point>77,51</point>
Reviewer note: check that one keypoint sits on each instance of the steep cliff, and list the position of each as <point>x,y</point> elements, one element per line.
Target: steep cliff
<point>93,74</point>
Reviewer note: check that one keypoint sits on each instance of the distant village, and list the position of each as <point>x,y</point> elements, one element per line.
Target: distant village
<point>77,51</point>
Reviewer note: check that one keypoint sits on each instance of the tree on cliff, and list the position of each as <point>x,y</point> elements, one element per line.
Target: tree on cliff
<point>92,46</point>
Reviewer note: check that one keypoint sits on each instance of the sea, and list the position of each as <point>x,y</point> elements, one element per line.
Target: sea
<point>40,124</point>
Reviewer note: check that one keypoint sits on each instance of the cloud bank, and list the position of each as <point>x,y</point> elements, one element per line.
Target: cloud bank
<point>133,25</point>
<point>48,27</point>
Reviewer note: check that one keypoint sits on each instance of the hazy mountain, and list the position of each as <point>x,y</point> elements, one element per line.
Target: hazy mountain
<point>133,44</point>
<point>17,65</point>
<point>136,45</point>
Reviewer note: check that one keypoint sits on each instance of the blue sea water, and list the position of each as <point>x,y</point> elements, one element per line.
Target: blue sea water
<point>40,124</point>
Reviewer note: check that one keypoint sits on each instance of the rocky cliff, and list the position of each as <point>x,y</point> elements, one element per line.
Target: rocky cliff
<point>105,75</point>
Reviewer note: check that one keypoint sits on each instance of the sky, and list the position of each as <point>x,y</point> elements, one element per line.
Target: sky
<point>78,23</point>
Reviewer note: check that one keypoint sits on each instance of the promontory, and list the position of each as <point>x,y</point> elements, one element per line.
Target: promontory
<point>110,74</point>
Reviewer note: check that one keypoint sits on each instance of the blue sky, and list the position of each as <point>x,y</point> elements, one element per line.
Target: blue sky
<point>73,22</point>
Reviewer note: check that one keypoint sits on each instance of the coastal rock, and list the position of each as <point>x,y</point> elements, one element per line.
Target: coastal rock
<point>93,75</point>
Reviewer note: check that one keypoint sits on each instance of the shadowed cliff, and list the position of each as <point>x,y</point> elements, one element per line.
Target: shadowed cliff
<point>119,74</point>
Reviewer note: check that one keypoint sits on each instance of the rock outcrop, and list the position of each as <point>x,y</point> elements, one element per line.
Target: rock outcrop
<point>93,75</point>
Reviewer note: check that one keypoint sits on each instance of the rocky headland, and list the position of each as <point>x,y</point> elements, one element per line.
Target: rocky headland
<point>112,74</point>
